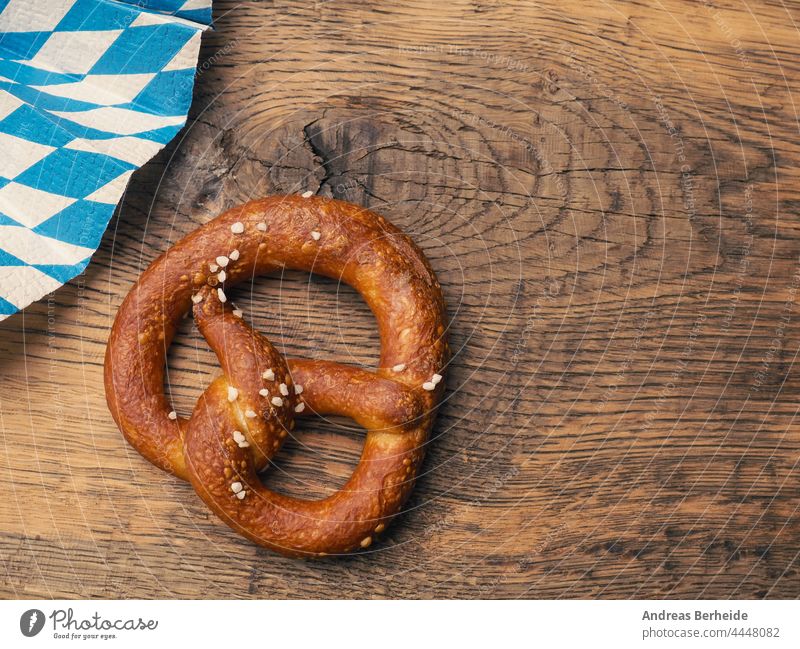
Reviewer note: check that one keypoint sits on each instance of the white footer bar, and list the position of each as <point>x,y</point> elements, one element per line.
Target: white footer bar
<point>396,624</point>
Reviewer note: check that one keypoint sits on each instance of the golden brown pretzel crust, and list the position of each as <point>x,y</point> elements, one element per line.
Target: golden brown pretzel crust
<point>333,238</point>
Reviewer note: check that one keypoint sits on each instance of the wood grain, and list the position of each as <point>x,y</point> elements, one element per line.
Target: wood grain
<point>609,194</point>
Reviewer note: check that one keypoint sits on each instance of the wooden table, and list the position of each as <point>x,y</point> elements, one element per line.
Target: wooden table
<point>609,194</point>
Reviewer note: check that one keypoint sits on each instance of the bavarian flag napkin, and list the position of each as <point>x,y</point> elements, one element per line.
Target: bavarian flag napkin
<point>90,90</point>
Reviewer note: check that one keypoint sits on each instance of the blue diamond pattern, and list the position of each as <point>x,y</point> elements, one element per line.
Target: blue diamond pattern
<point>89,91</point>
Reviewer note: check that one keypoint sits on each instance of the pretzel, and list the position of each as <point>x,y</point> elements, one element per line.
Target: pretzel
<point>241,420</point>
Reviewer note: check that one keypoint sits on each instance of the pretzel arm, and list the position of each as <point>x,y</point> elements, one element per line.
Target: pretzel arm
<point>261,408</point>
<point>375,403</point>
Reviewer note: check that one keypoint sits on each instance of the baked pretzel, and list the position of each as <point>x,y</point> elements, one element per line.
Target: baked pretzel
<point>243,417</point>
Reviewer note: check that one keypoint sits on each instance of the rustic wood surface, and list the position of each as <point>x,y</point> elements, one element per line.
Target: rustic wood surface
<point>609,194</point>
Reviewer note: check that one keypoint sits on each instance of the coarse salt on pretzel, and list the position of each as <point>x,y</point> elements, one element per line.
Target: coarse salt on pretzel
<point>222,446</point>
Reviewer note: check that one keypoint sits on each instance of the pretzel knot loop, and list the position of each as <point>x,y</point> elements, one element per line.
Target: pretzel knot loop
<point>243,417</point>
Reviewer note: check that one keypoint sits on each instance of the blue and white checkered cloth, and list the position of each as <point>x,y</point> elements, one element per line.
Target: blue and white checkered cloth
<point>90,90</point>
